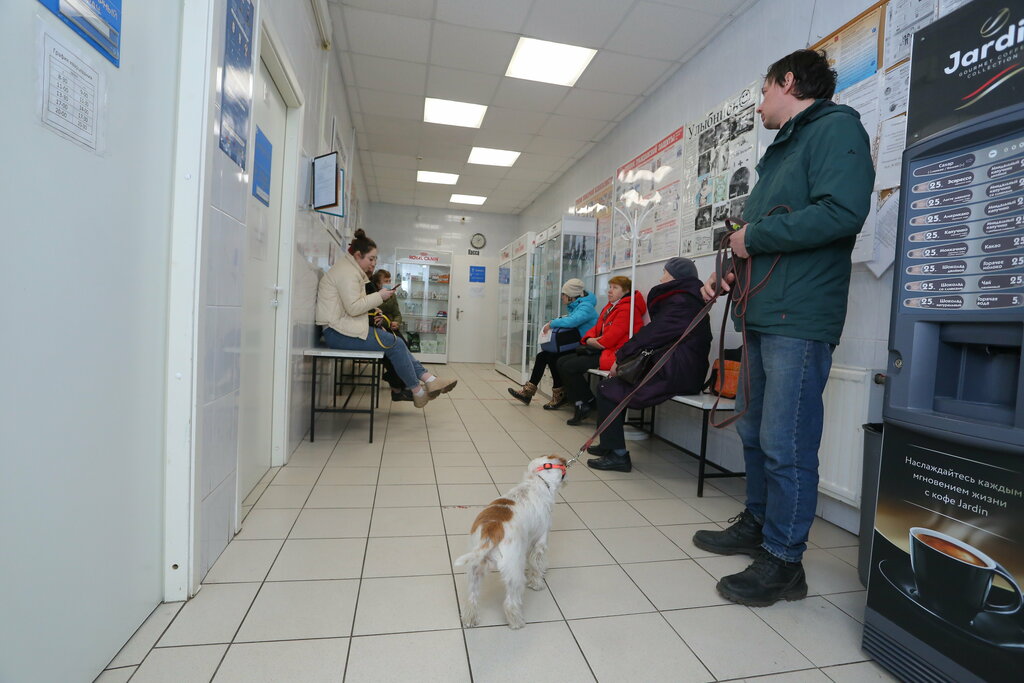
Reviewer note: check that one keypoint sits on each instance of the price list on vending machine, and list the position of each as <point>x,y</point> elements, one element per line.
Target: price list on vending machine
<point>964,232</point>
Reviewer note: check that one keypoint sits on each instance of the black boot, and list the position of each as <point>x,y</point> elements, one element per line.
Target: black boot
<point>403,395</point>
<point>599,450</point>
<point>765,582</point>
<point>580,414</point>
<point>611,462</point>
<point>743,537</point>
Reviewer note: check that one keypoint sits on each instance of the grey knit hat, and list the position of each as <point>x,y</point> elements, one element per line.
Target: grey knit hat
<point>573,288</point>
<point>680,267</point>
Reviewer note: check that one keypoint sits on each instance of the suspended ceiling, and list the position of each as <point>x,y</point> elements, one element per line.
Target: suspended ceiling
<point>394,53</point>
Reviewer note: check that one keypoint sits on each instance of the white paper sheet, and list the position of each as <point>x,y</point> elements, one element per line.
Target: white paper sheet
<point>895,90</point>
<point>885,234</point>
<point>892,139</point>
<point>902,19</point>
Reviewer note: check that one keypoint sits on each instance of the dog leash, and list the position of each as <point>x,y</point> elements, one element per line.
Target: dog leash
<point>740,294</point>
<point>377,334</point>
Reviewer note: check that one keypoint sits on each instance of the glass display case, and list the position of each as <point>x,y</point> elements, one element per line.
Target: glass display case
<point>565,250</point>
<point>516,334</point>
<point>425,277</point>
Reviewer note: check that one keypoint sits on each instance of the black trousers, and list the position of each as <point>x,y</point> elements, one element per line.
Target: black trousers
<point>545,360</point>
<point>613,437</point>
<point>573,369</point>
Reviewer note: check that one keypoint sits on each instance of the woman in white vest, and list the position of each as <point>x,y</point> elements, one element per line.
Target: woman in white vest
<point>341,307</point>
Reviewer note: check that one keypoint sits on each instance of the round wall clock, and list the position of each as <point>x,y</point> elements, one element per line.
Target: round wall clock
<point>478,241</point>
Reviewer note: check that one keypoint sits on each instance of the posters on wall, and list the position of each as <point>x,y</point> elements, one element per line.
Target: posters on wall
<point>236,80</point>
<point>648,188</point>
<point>721,153</point>
<point>855,50</point>
<point>598,203</point>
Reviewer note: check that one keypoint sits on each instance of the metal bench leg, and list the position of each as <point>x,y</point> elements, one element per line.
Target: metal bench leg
<point>703,453</point>
<point>312,403</point>
<point>373,397</point>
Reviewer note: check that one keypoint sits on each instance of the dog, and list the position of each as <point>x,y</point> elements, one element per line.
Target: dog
<point>511,535</point>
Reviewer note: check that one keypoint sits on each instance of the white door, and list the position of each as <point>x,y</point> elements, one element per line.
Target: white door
<point>259,308</point>
<point>473,312</point>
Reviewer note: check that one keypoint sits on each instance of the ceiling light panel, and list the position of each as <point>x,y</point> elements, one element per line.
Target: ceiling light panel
<point>547,62</point>
<point>467,199</point>
<point>452,113</point>
<point>435,177</point>
<point>493,157</point>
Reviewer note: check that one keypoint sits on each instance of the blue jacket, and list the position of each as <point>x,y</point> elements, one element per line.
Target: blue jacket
<point>582,314</point>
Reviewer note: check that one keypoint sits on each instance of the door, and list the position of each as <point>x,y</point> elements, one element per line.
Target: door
<point>473,316</point>
<point>259,307</point>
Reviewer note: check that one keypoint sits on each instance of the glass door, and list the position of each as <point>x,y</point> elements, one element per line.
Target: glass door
<point>504,309</point>
<point>423,298</point>
<point>551,281</point>
<point>517,327</point>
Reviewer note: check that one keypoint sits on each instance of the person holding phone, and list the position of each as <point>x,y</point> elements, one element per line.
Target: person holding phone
<point>389,317</point>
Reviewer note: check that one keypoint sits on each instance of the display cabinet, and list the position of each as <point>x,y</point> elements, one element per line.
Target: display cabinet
<point>516,336</point>
<point>425,278</point>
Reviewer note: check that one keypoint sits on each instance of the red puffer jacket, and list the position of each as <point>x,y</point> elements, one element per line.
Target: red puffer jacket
<point>612,328</point>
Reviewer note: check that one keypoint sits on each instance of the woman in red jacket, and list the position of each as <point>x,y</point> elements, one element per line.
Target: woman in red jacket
<point>597,350</point>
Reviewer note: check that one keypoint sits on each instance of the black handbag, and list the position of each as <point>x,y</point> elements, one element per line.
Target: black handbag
<point>635,367</point>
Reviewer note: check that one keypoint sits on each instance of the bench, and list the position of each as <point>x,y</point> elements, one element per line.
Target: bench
<point>643,422</point>
<point>360,359</point>
<point>703,403</point>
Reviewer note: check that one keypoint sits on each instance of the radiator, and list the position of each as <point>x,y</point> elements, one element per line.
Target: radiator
<point>851,400</point>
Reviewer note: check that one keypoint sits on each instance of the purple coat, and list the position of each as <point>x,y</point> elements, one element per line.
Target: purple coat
<point>672,306</point>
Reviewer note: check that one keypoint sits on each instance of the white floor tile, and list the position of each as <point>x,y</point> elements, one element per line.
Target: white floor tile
<point>537,605</point>
<point>299,610</point>
<point>458,460</point>
<point>675,585</point>
<point>212,616</point>
<point>717,509</point>
<point>563,518</point>
<point>802,676</point>
<point>120,675</point>
<point>309,661</point>
<point>134,651</point>
<point>578,548</point>
<point>332,523</point>
<point>851,603</point>
<point>407,556</point>
<point>284,496</point>
<point>426,657</point>
<point>818,629</point>
<point>406,495</point>
<point>458,519</point>
<point>608,515</point>
<point>588,491</point>
<point>413,603</point>
<point>827,535</point>
<point>538,652</point>
<point>463,475</point>
<point>319,558</point>
<point>596,592</point>
<point>863,672</point>
<point>468,494</point>
<point>177,664</point>
<point>669,511</point>
<point>341,496</point>
<point>714,632</point>
<point>828,574</point>
<point>642,489</point>
<point>623,648</point>
<point>407,522</point>
<point>682,536</point>
<point>243,561</point>
<point>269,524</point>
<point>348,476</point>
<point>297,475</point>
<point>643,544</point>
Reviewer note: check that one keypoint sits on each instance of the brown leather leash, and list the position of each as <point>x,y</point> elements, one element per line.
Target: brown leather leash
<point>740,293</point>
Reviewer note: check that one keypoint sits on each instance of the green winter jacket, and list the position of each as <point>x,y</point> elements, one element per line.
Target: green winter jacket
<point>820,167</point>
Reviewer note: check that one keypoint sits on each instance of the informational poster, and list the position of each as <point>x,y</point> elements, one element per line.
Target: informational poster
<point>721,153</point>
<point>864,97</point>
<point>903,17</point>
<point>649,189</point>
<point>855,50</point>
<point>236,80</point>
<point>947,6</point>
<point>598,203</point>
<point>261,165</point>
<point>892,138</point>
<point>895,90</point>
<point>97,21</point>
<point>886,220</point>
<point>71,94</point>
<point>478,273</point>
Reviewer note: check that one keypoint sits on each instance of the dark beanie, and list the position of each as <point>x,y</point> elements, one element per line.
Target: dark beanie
<point>680,267</point>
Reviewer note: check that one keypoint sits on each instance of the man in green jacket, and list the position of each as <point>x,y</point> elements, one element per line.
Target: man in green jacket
<point>818,172</point>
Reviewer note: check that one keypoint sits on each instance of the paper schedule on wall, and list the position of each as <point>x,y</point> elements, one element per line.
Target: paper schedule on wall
<point>71,93</point>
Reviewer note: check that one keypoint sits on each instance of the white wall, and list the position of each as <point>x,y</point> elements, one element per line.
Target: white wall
<point>767,31</point>
<point>393,226</point>
<point>83,269</point>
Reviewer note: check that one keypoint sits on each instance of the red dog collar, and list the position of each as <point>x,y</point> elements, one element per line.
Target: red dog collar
<point>552,466</point>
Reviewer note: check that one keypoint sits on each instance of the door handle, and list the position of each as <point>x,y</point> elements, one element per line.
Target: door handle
<point>458,314</point>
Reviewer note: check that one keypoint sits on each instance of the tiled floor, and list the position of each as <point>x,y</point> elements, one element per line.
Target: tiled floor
<point>342,570</point>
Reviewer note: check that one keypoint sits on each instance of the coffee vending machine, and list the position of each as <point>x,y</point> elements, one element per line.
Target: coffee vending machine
<point>944,594</point>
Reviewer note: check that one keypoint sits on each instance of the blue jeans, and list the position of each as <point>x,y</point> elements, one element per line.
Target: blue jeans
<point>781,432</point>
<point>406,367</point>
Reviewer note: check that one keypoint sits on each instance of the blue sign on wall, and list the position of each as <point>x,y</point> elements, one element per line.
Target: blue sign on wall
<point>503,275</point>
<point>235,103</point>
<point>261,168</point>
<point>478,273</point>
<point>98,21</point>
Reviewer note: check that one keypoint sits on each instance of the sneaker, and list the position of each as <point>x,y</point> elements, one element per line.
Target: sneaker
<point>403,395</point>
<point>612,463</point>
<point>766,581</point>
<point>439,386</point>
<point>742,538</point>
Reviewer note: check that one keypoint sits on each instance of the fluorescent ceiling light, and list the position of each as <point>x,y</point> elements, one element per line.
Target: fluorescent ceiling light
<point>467,199</point>
<point>493,157</point>
<point>540,60</point>
<point>435,177</point>
<point>452,113</point>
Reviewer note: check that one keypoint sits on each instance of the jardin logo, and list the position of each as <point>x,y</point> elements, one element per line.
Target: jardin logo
<point>1001,51</point>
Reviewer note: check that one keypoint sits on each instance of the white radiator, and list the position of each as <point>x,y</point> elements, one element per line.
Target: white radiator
<point>851,400</point>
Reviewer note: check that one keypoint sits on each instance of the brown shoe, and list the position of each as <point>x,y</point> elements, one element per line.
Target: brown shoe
<point>440,386</point>
<point>557,399</point>
<point>524,395</point>
<point>421,399</point>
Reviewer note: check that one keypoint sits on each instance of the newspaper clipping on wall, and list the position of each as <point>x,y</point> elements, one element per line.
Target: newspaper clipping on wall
<point>598,204</point>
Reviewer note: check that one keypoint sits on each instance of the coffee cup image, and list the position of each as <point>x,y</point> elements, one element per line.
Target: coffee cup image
<point>954,579</point>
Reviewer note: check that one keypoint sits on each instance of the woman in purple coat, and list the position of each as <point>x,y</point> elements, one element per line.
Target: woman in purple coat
<point>672,305</point>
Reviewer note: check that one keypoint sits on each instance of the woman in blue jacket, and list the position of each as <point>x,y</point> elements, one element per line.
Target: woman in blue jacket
<point>581,317</point>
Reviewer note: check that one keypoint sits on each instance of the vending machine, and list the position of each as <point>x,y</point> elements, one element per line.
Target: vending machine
<point>425,278</point>
<point>516,278</point>
<point>944,593</point>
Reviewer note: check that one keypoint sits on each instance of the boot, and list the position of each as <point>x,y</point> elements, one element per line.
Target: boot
<point>401,395</point>
<point>599,450</point>
<point>742,538</point>
<point>438,386</point>
<point>580,414</point>
<point>557,399</point>
<point>765,582</point>
<point>524,395</point>
<point>611,462</point>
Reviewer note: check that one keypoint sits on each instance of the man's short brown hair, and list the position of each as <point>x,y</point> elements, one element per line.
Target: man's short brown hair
<point>813,78</point>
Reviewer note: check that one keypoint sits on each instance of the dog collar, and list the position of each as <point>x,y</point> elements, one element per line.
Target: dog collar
<point>552,466</point>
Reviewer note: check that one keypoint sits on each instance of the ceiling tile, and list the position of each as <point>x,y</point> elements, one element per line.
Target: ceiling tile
<point>513,120</point>
<point>380,159</point>
<point>660,31</point>
<point>430,147</point>
<point>418,9</point>
<point>614,72</point>
<point>387,173</point>
<point>496,139</point>
<point>499,15</point>
<point>387,35</point>
<point>557,146</point>
<point>352,97</point>
<point>519,186</point>
<point>482,171</point>
<point>389,75</point>
<point>540,162</point>
<point>384,125</point>
<point>587,23</point>
<point>592,104</point>
<point>527,174</point>
<point>393,144</point>
<point>515,93</point>
<point>428,163</point>
<point>378,103</point>
<point>461,85</point>
<point>719,7</point>
<point>473,49</point>
<point>393,184</point>
<point>571,127</point>
<point>348,76</point>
